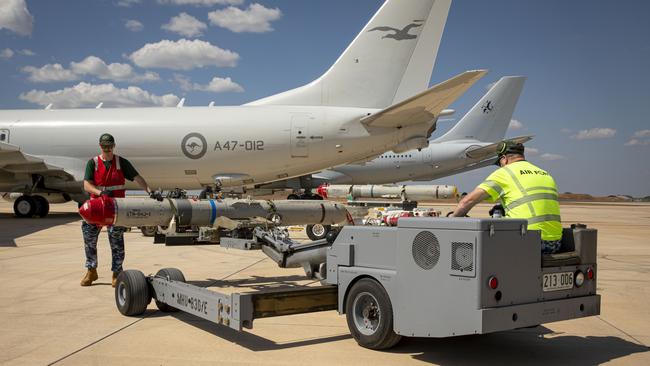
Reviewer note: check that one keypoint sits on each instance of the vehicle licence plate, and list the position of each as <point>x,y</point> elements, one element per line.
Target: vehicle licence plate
<point>557,281</point>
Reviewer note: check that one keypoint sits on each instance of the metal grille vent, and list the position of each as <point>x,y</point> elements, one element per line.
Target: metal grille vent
<point>462,257</point>
<point>426,250</point>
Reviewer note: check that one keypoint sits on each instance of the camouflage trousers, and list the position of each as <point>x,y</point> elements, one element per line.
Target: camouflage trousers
<point>115,238</point>
<point>551,247</point>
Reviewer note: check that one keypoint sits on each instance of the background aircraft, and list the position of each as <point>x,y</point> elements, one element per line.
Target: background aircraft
<point>470,144</point>
<point>361,107</point>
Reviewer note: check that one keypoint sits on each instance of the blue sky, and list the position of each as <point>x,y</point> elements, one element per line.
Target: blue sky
<point>587,62</point>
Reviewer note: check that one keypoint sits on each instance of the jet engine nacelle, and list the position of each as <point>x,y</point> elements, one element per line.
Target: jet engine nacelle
<point>411,144</point>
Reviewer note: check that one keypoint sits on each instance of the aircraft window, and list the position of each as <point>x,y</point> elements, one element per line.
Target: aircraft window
<point>2,136</point>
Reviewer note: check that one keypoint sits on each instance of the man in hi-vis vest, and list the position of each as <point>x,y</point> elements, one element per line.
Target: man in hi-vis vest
<point>105,175</point>
<point>526,192</point>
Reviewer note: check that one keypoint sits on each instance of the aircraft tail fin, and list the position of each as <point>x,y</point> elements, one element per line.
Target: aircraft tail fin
<point>489,119</point>
<point>390,60</point>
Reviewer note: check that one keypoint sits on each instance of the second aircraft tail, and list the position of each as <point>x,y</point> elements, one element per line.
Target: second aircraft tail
<point>489,119</point>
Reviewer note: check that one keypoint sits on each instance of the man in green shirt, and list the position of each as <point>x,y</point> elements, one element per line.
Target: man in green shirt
<point>526,192</point>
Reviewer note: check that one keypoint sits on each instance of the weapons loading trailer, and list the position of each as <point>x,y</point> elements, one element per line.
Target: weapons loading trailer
<point>425,278</point>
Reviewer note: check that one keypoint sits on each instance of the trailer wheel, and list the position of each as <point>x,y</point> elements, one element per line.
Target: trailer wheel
<point>369,314</point>
<point>132,293</point>
<point>317,231</point>
<point>148,231</point>
<point>170,274</point>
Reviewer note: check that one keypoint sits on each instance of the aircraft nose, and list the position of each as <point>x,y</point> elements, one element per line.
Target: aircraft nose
<point>98,211</point>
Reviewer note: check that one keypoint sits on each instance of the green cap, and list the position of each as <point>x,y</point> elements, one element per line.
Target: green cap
<point>510,147</point>
<point>106,139</point>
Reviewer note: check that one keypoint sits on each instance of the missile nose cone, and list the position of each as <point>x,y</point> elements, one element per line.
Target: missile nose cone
<point>98,211</point>
<point>322,190</point>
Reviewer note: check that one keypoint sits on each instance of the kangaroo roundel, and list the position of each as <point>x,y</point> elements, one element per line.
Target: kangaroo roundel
<point>194,145</point>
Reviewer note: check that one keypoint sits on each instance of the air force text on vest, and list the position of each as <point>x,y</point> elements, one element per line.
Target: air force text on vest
<point>535,172</point>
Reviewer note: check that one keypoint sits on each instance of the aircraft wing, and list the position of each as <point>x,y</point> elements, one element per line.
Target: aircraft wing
<point>14,161</point>
<point>491,150</point>
<point>426,106</point>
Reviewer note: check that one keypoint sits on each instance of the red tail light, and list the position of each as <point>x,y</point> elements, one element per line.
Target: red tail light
<point>590,273</point>
<point>493,282</point>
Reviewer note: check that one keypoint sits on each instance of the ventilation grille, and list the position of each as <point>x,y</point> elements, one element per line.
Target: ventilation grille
<point>462,257</point>
<point>426,250</point>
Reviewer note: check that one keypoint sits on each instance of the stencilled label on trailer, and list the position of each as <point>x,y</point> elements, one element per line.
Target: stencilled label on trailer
<point>198,305</point>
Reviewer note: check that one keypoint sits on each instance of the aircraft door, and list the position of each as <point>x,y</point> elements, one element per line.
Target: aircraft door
<point>4,136</point>
<point>299,136</point>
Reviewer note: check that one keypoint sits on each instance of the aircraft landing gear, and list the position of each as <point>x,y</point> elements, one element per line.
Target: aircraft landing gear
<point>27,206</point>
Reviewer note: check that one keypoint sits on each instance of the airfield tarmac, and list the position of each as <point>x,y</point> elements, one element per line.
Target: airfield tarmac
<point>47,318</point>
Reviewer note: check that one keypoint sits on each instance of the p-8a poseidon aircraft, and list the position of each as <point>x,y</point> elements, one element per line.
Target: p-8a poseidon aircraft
<point>470,144</point>
<point>367,103</point>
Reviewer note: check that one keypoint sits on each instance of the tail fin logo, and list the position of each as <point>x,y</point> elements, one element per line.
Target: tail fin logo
<point>487,107</point>
<point>399,34</point>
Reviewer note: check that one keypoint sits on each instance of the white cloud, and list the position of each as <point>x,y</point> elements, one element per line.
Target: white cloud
<point>128,3</point>
<point>552,157</point>
<point>595,133</point>
<point>255,19</point>
<point>183,55</point>
<point>515,125</point>
<point>642,134</point>
<point>216,85</point>
<point>531,151</point>
<point>133,25</point>
<point>15,17</point>
<point>91,65</point>
<point>95,66</point>
<point>49,73</point>
<point>26,52</point>
<point>7,53</point>
<point>640,138</point>
<point>185,25</point>
<point>565,130</point>
<point>201,2</point>
<point>637,142</point>
<point>89,95</point>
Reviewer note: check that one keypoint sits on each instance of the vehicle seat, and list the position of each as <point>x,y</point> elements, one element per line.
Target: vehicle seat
<point>578,247</point>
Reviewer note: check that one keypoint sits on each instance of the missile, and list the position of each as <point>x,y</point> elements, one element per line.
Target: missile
<point>131,211</point>
<point>403,192</point>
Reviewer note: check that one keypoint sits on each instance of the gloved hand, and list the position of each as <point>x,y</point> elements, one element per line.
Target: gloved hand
<point>156,195</point>
<point>107,192</point>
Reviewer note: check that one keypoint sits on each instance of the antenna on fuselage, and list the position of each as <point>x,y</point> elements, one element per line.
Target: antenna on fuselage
<point>48,107</point>
<point>181,103</point>
<point>100,105</point>
<point>211,104</point>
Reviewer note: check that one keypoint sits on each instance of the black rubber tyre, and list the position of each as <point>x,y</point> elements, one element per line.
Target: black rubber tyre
<point>42,206</point>
<point>317,231</point>
<point>369,314</point>
<point>25,207</point>
<point>148,231</point>
<point>293,196</point>
<point>174,275</point>
<point>132,293</point>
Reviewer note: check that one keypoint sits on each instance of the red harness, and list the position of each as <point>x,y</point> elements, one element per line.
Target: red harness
<point>109,179</point>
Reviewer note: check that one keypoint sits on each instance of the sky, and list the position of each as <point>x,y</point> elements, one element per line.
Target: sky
<point>586,99</point>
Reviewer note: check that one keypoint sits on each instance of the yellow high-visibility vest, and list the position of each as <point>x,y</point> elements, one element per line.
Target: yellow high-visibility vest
<point>527,192</point>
